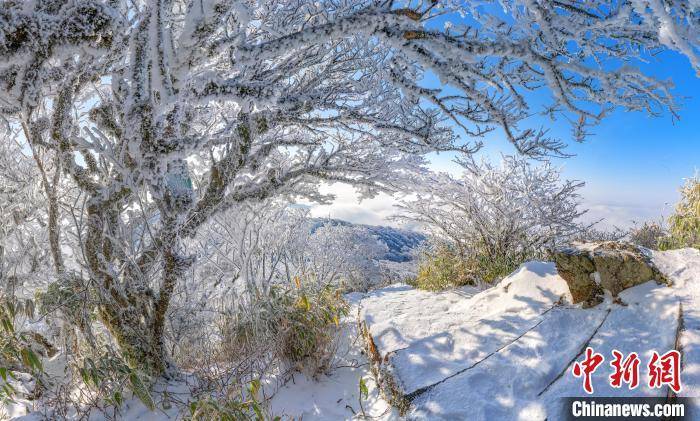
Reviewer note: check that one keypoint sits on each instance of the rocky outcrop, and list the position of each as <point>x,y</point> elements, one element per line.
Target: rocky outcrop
<point>577,268</point>
<point>591,268</point>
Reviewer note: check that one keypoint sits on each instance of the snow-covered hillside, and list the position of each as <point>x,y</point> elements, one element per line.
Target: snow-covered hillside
<point>400,242</point>
<point>505,352</point>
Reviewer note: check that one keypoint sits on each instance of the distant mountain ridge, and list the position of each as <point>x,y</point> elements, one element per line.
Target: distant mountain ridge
<point>399,241</point>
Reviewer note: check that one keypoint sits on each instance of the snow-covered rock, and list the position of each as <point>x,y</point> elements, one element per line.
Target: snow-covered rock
<point>612,266</point>
<point>507,352</point>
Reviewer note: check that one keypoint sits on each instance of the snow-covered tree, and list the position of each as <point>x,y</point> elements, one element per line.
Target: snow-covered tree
<point>246,249</point>
<point>504,213</point>
<point>339,254</point>
<point>258,244</point>
<point>165,112</point>
<point>648,234</point>
<point>23,236</point>
<point>684,223</point>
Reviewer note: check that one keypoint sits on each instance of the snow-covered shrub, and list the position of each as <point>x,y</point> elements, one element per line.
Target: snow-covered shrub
<point>106,377</point>
<point>441,268</point>
<point>595,234</point>
<point>341,255</point>
<point>248,247</point>
<point>296,327</point>
<point>243,405</point>
<point>648,235</point>
<point>67,301</point>
<point>684,224</point>
<point>400,272</point>
<point>19,357</point>
<point>259,244</point>
<point>496,217</point>
<point>242,300</point>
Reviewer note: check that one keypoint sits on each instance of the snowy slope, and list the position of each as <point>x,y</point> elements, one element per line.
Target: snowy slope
<point>400,242</point>
<point>506,353</point>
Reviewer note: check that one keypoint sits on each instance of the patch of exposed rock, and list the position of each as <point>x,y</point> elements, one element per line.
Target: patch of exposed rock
<point>591,268</point>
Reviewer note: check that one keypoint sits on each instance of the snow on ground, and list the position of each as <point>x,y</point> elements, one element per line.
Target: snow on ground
<point>514,343</point>
<point>171,401</point>
<point>512,376</point>
<point>683,268</point>
<point>336,396</point>
<point>429,337</point>
<point>502,353</point>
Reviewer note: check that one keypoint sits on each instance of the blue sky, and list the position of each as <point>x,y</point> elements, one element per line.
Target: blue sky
<point>633,164</point>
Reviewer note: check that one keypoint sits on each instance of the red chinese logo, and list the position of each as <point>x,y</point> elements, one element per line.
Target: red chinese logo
<point>663,370</point>
<point>587,368</point>
<point>626,371</point>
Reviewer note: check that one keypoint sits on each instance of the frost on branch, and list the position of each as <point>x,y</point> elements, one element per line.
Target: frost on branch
<point>166,112</point>
<point>497,214</point>
<point>251,248</point>
<point>23,242</point>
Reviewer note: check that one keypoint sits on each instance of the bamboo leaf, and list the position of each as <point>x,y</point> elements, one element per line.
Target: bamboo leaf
<point>118,399</point>
<point>258,412</point>
<point>254,388</point>
<point>364,391</point>
<point>141,390</point>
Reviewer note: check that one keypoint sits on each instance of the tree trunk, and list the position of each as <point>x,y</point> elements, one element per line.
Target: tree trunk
<point>126,307</point>
<point>50,190</point>
<point>54,230</point>
<point>172,271</point>
<point>138,345</point>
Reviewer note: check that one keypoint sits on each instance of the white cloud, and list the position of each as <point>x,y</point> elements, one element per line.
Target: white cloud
<point>347,206</point>
<point>624,216</point>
